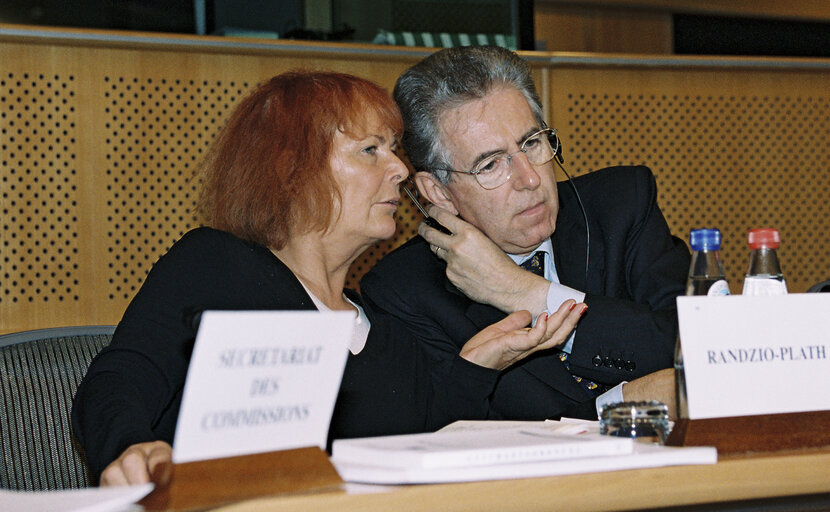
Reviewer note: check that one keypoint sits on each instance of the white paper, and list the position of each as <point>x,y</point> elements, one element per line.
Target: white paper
<point>643,456</point>
<point>93,499</point>
<point>526,441</point>
<point>261,381</point>
<point>753,355</point>
<point>564,425</point>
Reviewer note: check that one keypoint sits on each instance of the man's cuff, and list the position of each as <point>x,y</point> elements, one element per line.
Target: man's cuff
<point>557,294</point>
<point>611,396</point>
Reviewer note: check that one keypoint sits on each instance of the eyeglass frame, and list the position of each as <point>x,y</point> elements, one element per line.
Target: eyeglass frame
<point>555,147</point>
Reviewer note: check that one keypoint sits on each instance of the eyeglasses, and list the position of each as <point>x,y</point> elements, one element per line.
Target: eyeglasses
<point>496,169</point>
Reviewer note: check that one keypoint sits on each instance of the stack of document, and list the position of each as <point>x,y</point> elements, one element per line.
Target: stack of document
<point>492,450</point>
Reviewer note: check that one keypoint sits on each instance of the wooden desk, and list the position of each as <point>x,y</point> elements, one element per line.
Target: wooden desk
<point>734,478</point>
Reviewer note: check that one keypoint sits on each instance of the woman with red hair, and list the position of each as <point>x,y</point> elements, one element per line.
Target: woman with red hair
<point>302,179</point>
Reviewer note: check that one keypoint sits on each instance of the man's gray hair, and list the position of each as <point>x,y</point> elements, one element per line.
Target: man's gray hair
<point>445,80</point>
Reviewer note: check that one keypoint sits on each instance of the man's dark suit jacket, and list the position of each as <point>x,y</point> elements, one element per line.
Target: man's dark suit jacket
<point>636,270</point>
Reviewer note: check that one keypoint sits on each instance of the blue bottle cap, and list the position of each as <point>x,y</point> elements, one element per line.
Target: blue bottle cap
<point>705,239</point>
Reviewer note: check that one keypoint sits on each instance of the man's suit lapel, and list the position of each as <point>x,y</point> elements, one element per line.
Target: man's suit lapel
<point>569,246</point>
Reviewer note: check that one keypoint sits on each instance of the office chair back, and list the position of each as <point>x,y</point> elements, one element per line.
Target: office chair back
<point>820,287</point>
<point>39,373</point>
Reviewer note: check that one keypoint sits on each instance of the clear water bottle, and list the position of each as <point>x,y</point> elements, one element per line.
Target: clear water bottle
<point>706,277</point>
<point>764,276</point>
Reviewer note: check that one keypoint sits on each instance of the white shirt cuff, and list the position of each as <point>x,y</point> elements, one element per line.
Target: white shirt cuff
<point>611,396</point>
<point>557,294</point>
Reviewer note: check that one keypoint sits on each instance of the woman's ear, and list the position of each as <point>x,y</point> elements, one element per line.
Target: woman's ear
<point>434,191</point>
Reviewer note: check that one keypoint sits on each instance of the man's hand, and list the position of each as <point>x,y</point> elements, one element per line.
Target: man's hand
<point>480,269</point>
<point>140,463</point>
<point>506,341</point>
<point>654,386</point>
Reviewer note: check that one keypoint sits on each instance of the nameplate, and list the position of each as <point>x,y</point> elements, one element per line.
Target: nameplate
<point>261,381</point>
<point>755,355</point>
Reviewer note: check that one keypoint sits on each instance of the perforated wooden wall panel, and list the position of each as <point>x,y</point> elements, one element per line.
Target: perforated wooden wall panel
<point>98,148</point>
<point>156,130</point>
<point>732,149</point>
<point>99,141</point>
<point>38,155</point>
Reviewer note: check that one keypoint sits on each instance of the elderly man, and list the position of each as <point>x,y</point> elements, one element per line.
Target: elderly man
<point>484,158</point>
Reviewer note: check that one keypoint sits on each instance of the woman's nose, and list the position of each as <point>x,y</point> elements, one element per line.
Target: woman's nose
<point>398,170</point>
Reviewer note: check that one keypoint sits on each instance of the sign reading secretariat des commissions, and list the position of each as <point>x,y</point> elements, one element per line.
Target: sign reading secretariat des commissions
<point>261,381</point>
<point>752,355</point>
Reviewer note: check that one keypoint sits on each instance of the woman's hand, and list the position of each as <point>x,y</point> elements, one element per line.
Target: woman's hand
<point>505,342</point>
<point>480,269</point>
<point>140,463</point>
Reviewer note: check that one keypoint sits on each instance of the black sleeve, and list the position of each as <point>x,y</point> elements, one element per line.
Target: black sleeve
<point>132,390</point>
<point>635,322</point>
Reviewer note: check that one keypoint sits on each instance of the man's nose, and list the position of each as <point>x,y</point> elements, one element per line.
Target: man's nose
<point>524,174</point>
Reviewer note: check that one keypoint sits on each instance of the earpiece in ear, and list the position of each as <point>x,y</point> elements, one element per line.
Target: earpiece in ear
<point>555,142</point>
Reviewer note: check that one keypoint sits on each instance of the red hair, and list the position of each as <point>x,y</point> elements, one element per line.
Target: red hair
<point>268,174</point>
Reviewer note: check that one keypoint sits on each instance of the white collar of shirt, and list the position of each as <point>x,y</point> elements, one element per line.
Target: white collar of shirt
<point>361,323</point>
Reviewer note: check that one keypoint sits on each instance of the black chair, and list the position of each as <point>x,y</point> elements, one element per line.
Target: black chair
<point>820,287</point>
<point>39,373</point>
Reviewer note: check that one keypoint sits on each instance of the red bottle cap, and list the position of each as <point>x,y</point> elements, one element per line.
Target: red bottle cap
<point>764,238</point>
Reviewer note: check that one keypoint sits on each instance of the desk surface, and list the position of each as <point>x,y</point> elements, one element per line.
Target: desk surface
<point>733,478</point>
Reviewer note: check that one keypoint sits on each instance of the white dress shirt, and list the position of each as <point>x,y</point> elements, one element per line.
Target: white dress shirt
<point>361,322</point>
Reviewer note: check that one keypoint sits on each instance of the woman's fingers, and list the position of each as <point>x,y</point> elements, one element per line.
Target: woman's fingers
<point>562,322</point>
<point>113,475</point>
<point>506,342</point>
<point>138,462</point>
<point>160,463</point>
<point>130,468</point>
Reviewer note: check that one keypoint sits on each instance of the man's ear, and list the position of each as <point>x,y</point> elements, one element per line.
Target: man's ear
<point>434,191</point>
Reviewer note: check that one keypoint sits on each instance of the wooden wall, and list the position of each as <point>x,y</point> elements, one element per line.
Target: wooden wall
<point>645,26</point>
<point>574,27</point>
<point>100,134</point>
<point>732,147</point>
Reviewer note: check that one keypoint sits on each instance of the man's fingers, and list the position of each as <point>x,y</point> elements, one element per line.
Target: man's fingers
<point>445,218</point>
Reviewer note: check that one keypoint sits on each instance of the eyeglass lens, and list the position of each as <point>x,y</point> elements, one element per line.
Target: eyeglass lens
<point>497,169</point>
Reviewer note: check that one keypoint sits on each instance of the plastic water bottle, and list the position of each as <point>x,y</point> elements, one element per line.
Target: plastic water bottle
<point>764,276</point>
<point>706,277</point>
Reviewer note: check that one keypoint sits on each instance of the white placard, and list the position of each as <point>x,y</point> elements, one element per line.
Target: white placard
<point>261,381</point>
<point>752,355</point>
